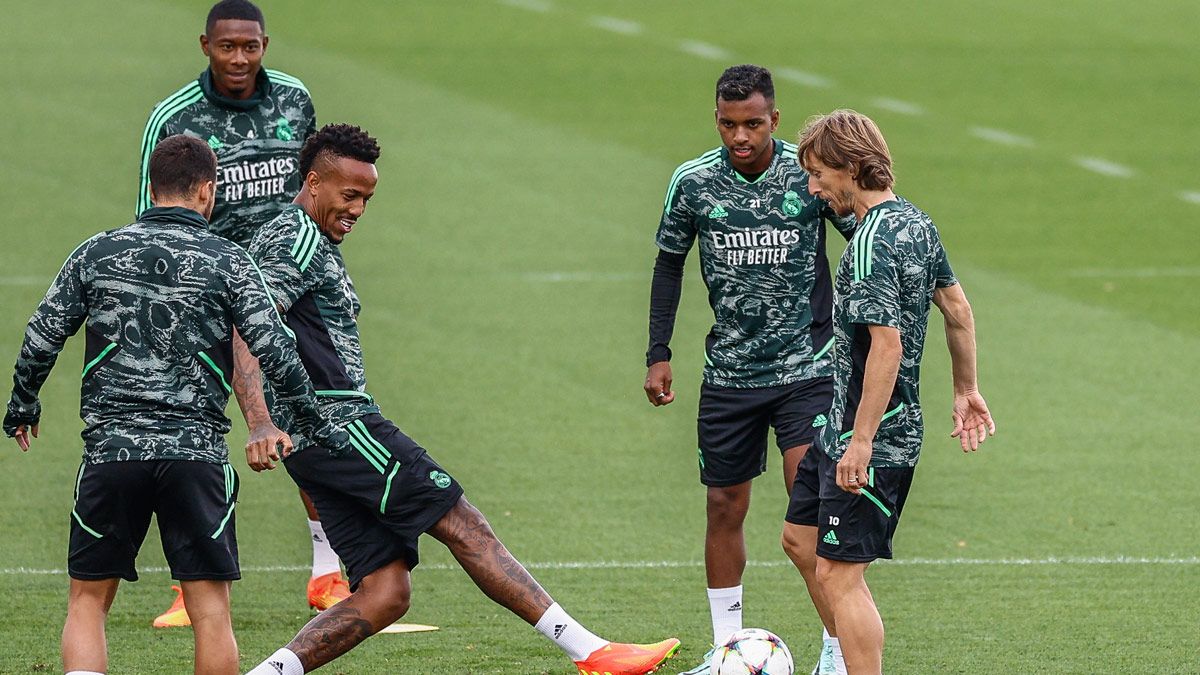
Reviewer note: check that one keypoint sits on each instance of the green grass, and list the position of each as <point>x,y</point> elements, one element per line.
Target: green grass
<point>520,144</point>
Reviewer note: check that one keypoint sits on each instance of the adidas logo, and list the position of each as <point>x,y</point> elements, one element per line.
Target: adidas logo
<point>820,421</point>
<point>736,607</point>
<point>277,665</point>
<point>558,630</point>
<point>718,212</point>
<point>831,539</point>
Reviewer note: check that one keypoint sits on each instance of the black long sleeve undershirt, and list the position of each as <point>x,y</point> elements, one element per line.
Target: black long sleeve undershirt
<point>665,289</point>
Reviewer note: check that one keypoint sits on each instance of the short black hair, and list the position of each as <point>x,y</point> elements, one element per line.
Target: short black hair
<point>238,10</point>
<point>179,165</point>
<point>338,140</point>
<point>739,83</point>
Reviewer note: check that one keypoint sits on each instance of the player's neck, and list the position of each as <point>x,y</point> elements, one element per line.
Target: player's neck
<point>305,202</point>
<point>870,199</point>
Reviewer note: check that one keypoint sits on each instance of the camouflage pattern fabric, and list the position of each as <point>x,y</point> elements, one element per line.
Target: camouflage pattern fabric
<point>307,277</point>
<point>257,143</point>
<point>160,298</point>
<point>886,277</point>
<point>762,256</point>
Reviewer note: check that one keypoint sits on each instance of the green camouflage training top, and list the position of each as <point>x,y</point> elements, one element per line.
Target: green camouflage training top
<point>307,277</point>
<point>257,142</point>
<point>762,256</point>
<point>886,278</point>
<point>160,298</point>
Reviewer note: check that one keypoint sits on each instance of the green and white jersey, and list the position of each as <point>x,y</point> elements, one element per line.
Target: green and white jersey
<point>762,256</point>
<point>257,142</point>
<point>886,277</point>
<point>160,299</point>
<point>311,287</point>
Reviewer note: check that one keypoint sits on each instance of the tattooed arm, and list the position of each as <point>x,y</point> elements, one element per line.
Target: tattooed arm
<point>266,440</point>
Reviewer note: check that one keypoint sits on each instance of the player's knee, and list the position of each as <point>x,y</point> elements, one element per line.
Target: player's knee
<point>794,544</point>
<point>728,504</point>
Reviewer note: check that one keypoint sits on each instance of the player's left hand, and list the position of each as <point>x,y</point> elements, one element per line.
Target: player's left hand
<point>973,421</point>
<point>267,444</point>
<point>22,436</point>
<point>852,467</point>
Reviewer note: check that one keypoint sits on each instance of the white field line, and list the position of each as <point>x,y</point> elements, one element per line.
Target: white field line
<point>677,564</point>
<point>804,78</point>
<point>1103,167</point>
<point>1002,137</point>
<point>531,5</point>
<point>1190,196</point>
<point>898,106</point>
<point>1135,272</point>
<point>622,26</point>
<point>704,50</point>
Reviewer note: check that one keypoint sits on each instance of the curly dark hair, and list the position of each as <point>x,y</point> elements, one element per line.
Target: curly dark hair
<point>338,140</point>
<point>241,10</point>
<point>739,83</point>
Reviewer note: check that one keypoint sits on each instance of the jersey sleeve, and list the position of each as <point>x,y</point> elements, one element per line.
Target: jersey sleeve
<point>285,260</point>
<point>59,316</point>
<point>874,296</point>
<point>677,228</point>
<point>943,274</point>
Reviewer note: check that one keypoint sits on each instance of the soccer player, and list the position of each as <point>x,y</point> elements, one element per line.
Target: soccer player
<point>377,500</point>
<point>762,255</point>
<point>255,120</point>
<point>160,299</point>
<point>850,491</point>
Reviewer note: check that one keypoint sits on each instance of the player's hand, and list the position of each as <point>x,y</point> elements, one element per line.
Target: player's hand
<point>973,422</point>
<point>658,384</point>
<point>267,444</point>
<point>852,467</point>
<point>22,436</point>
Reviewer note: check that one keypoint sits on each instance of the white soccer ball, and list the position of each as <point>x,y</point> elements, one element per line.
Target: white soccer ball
<point>752,651</point>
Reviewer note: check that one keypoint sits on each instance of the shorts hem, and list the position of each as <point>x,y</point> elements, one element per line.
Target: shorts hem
<point>234,576</point>
<point>852,558</point>
<point>101,576</point>
<point>728,482</point>
<point>804,523</point>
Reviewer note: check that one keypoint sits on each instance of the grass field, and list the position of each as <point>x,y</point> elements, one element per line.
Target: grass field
<point>505,264</point>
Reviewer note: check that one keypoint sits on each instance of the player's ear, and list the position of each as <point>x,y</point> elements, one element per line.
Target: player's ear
<point>204,44</point>
<point>312,181</point>
<point>774,119</point>
<point>266,39</point>
<point>153,197</point>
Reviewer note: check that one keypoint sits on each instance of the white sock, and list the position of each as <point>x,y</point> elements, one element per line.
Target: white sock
<point>838,661</point>
<point>282,662</point>
<point>325,561</point>
<point>570,635</point>
<point>725,607</point>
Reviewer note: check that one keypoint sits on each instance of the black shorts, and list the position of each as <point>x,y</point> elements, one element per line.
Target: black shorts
<point>732,426</point>
<point>376,501</point>
<point>193,502</point>
<point>850,527</point>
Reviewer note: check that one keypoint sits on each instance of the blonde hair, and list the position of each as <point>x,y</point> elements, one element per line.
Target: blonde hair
<point>845,139</point>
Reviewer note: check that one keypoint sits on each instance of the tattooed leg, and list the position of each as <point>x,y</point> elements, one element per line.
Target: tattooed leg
<point>381,598</point>
<point>494,570</point>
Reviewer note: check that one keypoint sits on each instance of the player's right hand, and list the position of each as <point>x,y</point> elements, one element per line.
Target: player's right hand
<point>22,436</point>
<point>267,444</point>
<point>973,421</point>
<point>658,384</point>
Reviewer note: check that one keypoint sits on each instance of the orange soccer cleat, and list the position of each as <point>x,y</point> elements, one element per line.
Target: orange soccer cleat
<point>618,658</point>
<point>327,590</point>
<point>176,616</point>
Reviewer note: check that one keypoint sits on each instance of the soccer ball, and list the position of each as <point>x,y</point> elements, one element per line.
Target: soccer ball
<point>752,651</point>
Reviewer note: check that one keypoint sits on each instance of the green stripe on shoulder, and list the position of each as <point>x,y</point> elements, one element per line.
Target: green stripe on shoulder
<point>167,108</point>
<point>280,77</point>
<point>687,168</point>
